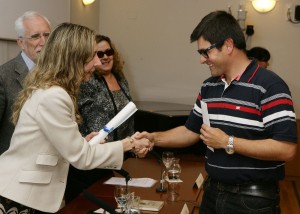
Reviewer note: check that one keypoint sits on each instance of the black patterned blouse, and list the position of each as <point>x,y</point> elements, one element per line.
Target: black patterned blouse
<point>98,105</point>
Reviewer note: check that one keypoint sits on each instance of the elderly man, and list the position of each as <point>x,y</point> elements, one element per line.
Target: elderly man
<point>32,31</point>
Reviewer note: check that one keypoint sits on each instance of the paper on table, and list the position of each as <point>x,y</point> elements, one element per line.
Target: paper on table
<point>185,209</point>
<point>101,211</point>
<point>173,180</point>
<point>199,181</point>
<point>135,182</point>
<point>205,117</point>
<point>151,205</point>
<point>121,117</point>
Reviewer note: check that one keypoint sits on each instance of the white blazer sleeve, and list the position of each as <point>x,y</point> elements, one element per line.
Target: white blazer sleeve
<point>56,117</point>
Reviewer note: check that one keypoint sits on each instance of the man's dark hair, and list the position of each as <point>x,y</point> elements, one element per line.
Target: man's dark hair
<point>259,53</point>
<point>218,26</point>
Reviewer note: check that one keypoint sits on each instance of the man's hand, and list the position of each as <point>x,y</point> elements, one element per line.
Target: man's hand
<point>213,137</point>
<point>142,151</point>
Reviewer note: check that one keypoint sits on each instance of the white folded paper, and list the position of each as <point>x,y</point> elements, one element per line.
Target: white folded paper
<point>121,117</point>
<point>134,182</point>
<point>205,117</point>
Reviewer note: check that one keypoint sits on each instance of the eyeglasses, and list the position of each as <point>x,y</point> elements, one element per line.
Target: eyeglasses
<point>204,52</point>
<point>37,36</point>
<point>108,52</point>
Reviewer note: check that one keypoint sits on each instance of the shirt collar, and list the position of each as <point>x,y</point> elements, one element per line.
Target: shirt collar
<point>243,77</point>
<point>29,63</point>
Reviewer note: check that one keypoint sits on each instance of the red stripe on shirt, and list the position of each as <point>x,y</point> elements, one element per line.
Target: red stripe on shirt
<point>276,103</point>
<point>234,107</point>
<point>254,73</point>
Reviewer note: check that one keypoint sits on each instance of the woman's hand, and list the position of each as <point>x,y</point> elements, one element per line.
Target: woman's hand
<point>91,135</point>
<point>142,153</point>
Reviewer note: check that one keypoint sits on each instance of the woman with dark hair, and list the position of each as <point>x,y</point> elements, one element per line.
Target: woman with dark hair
<point>100,99</point>
<point>106,93</point>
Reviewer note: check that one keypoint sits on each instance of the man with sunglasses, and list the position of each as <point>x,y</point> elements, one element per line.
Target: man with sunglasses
<point>32,31</point>
<point>252,126</point>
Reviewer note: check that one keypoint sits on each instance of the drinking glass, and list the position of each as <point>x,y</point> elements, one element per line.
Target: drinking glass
<point>167,158</point>
<point>133,204</point>
<point>174,169</point>
<point>121,194</point>
<point>173,191</point>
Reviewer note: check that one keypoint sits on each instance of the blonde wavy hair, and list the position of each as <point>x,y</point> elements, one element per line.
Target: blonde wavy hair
<point>60,63</point>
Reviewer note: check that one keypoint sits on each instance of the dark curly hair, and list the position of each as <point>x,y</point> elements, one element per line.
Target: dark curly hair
<point>117,68</point>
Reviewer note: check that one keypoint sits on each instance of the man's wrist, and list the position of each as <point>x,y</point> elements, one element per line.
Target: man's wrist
<point>230,145</point>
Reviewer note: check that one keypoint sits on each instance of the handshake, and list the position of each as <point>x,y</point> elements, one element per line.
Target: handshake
<point>141,144</point>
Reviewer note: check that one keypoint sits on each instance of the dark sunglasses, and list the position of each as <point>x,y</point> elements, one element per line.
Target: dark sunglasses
<point>108,52</point>
<point>204,52</point>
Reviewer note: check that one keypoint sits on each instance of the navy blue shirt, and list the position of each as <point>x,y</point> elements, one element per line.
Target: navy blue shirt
<point>258,105</point>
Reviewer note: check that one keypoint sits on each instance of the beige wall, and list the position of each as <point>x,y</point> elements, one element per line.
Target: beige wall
<point>161,64</point>
<point>85,15</point>
<point>77,13</point>
<point>56,11</point>
<point>153,37</point>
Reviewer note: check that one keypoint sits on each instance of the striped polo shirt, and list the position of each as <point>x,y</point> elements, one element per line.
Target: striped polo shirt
<point>257,105</point>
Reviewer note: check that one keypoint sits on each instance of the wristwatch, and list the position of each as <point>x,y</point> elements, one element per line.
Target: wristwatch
<point>230,148</point>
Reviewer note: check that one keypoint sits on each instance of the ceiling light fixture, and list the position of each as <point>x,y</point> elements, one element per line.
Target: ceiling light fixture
<point>87,2</point>
<point>263,6</point>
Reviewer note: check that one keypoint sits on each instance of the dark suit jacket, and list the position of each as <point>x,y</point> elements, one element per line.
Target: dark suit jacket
<point>12,74</point>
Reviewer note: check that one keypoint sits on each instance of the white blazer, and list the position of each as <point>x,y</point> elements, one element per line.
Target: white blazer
<point>33,171</point>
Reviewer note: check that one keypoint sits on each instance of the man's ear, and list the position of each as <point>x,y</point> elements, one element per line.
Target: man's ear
<point>229,45</point>
<point>20,43</point>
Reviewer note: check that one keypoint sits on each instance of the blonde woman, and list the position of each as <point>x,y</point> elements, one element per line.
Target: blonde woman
<point>46,140</point>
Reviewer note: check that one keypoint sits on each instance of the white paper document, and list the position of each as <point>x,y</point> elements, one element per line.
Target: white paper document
<point>173,180</point>
<point>121,117</point>
<point>135,182</point>
<point>205,117</point>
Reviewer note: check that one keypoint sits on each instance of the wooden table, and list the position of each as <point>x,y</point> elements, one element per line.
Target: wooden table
<point>142,168</point>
